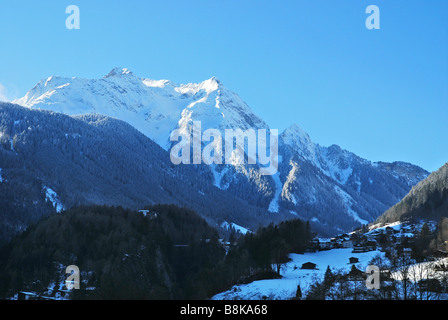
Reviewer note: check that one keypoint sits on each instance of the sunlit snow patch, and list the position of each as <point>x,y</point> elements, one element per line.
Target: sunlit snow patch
<point>52,196</point>
<point>226,225</point>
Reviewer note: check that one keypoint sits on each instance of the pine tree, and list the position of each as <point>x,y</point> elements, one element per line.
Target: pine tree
<point>298,293</point>
<point>329,279</point>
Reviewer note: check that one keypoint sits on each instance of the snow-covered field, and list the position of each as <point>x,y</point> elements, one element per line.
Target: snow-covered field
<point>293,275</point>
<point>422,270</point>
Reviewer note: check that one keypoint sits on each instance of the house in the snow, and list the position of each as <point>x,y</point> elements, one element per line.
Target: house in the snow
<point>407,252</point>
<point>347,243</point>
<point>325,245</point>
<point>309,266</point>
<point>389,230</point>
<point>359,248</point>
<point>355,274</point>
<point>353,260</point>
<point>371,245</point>
<point>314,244</point>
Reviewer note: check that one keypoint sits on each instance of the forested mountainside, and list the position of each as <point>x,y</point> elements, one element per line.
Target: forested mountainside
<point>165,252</point>
<point>427,200</point>
<point>51,161</point>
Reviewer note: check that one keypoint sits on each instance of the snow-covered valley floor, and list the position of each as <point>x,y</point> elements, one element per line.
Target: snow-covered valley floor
<point>293,275</point>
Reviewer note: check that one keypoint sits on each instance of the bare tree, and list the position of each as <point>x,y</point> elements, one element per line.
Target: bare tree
<point>400,266</point>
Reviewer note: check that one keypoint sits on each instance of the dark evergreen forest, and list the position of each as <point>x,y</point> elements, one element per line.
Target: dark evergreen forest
<point>169,253</point>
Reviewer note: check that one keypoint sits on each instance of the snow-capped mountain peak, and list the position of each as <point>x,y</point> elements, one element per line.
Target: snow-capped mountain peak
<point>295,134</point>
<point>208,86</point>
<point>296,138</point>
<point>211,84</point>
<point>118,71</point>
<point>154,107</point>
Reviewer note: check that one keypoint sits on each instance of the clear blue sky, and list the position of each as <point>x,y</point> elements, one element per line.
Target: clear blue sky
<point>382,94</point>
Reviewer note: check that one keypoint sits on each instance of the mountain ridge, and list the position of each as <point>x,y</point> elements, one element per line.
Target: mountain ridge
<point>330,186</point>
<point>426,200</point>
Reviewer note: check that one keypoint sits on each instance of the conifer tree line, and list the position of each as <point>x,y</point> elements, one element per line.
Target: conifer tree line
<point>169,253</point>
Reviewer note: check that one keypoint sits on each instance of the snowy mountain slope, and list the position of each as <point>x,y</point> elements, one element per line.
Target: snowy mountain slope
<point>154,107</point>
<point>335,186</point>
<point>426,200</point>
<point>332,187</point>
<point>61,161</point>
<point>292,275</point>
<point>388,255</point>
